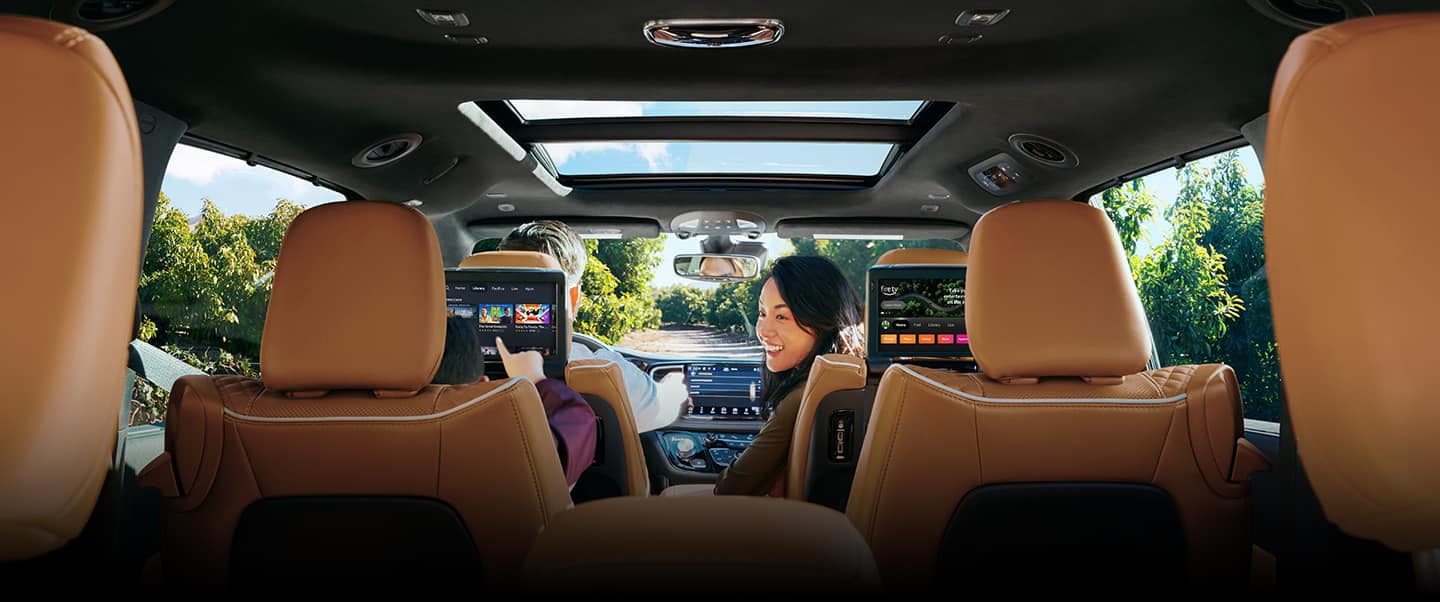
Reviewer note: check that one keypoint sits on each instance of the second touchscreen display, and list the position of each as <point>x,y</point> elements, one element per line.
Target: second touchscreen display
<point>522,313</point>
<point>923,316</point>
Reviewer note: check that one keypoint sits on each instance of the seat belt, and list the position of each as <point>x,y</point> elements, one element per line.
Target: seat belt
<point>158,367</point>
<point>163,370</point>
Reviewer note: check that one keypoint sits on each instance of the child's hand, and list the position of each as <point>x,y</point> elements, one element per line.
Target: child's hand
<point>527,364</point>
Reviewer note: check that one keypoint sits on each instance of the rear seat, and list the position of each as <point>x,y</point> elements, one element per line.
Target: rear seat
<point>840,392</point>
<point>676,545</point>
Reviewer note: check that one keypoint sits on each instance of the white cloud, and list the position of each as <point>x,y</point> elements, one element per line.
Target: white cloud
<point>656,154</point>
<point>200,166</point>
<point>570,109</point>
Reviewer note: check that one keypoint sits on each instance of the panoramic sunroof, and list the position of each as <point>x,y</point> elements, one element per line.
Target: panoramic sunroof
<point>881,110</point>
<point>830,144</point>
<point>860,159</point>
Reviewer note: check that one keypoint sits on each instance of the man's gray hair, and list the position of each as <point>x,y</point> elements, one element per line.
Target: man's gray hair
<point>552,238</point>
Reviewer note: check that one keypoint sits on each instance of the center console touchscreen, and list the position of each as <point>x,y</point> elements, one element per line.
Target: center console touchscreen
<point>916,311</point>
<point>724,391</point>
<point>525,307</point>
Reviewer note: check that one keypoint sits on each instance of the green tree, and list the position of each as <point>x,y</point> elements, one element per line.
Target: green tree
<point>606,312</point>
<point>854,257</point>
<point>631,261</point>
<point>1183,286</point>
<point>680,304</point>
<point>204,290</point>
<point>1130,206</point>
<point>1204,286</point>
<point>206,287</point>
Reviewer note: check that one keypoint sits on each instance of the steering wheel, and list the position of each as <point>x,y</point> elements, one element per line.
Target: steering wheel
<point>591,343</point>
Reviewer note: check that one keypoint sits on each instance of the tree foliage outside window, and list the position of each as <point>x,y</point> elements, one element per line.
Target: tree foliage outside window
<point>1203,285</point>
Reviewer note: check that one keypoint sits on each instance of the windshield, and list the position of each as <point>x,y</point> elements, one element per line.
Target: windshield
<point>634,300</point>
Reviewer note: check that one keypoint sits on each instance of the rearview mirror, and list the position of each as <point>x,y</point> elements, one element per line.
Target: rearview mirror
<point>717,268</point>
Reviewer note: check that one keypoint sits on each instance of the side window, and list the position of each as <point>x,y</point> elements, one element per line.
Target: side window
<point>206,279</point>
<point>1197,252</point>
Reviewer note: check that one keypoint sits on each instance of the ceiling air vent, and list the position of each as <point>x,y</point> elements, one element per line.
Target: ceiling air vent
<point>1310,14</point>
<point>103,15</point>
<point>1043,150</point>
<point>387,151</point>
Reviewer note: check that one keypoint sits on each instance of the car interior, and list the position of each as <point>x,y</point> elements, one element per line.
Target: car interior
<point>1094,244</point>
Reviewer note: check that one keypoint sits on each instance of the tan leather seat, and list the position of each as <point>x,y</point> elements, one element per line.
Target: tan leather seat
<point>837,386</point>
<point>73,190</point>
<point>1350,157</point>
<point>1064,463</point>
<point>343,461</point>
<point>619,460</point>
<point>836,394</point>
<point>676,544</point>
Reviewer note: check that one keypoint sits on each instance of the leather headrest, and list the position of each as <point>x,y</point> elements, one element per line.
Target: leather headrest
<point>74,185</point>
<point>358,301</point>
<point>510,259</point>
<point>922,257</point>
<point>1350,157</point>
<point>1048,293</point>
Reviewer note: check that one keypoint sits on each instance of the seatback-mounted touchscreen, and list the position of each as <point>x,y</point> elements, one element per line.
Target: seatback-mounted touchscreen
<point>523,306</point>
<point>916,311</point>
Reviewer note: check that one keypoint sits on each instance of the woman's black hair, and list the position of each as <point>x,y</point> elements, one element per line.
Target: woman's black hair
<point>822,302</point>
<point>464,360</point>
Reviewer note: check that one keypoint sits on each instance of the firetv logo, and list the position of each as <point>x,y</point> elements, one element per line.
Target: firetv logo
<point>889,290</point>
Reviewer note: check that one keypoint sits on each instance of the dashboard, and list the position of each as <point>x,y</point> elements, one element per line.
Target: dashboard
<point>721,414</point>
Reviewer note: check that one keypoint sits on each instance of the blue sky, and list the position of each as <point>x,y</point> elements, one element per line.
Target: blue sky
<point>824,158</point>
<point>195,174</point>
<point>662,156</point>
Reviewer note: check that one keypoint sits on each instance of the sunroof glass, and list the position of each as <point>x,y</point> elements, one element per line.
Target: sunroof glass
<point>885,110</point>
<point>730,158</point>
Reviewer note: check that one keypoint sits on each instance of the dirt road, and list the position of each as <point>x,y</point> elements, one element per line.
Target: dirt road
<point>693,340</point>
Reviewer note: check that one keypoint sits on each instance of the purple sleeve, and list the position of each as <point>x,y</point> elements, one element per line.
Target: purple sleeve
<point>572,423</point>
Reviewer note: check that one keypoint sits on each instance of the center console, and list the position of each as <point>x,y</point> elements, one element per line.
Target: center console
<point>723,412</point>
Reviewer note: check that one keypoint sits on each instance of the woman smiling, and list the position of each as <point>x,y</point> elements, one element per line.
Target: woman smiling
<point>806,309</point>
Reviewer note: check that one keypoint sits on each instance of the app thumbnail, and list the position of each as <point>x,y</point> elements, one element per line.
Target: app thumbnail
<point>495,314</point>
<point>532,313</point>
<point>457,309</point>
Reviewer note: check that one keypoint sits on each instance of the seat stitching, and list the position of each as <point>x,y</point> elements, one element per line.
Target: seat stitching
<point>889,455</point>
<point>1158,389</point>
<point>1164,445</point>
<point>439,441</point>
<point>979,385</point>
<point>240,442</point>
<point>529,461</point>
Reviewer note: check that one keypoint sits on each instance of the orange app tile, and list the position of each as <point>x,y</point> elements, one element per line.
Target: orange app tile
<point>887,339</point>
<point>907,339</point>
<point>927,339</point>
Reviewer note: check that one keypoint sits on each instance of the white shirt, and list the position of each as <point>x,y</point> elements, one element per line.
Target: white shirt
<point>650,411</point>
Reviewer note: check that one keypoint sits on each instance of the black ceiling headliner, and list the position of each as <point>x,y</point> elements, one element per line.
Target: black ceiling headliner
<point>1122,83</point>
